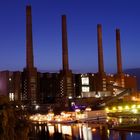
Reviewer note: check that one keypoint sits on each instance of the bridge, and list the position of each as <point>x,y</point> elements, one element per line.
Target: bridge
<point>102,101</point>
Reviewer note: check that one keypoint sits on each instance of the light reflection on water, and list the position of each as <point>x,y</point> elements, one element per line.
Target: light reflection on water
<point>78,131</point>
<point>51,129</point>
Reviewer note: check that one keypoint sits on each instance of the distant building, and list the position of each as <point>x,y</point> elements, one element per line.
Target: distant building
<point>11,85</point>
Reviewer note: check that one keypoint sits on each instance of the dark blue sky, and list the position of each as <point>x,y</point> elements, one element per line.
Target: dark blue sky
<point>82,19</point>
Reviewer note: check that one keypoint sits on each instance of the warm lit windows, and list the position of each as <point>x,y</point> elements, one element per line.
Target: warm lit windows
<point>122,82</point>
<point>11,96</point>
<point>85,89</point>
<point>85,80</point>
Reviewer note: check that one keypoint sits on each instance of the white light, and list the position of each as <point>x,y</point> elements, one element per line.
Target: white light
<point>11,96</point>
<point>88,109</point>
<point>85,89</point>
<point>111,75</point>
<point>37,107</point>
<point>120,120</point>
<point>78,96</point>
<point>72,103</point>
<point>128,75</point>
<point>134,111</point>
<point>67,130</point>
<point>70,97</point>
<point>51,129</point>
<point>77,110</point>
<point>97,95</point>
<point>85,80</point>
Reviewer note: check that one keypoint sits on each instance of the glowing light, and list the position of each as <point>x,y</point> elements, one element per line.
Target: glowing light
<point>87,133</point>
<point>88,109</point>
<point>94,129</point>
<point>37,107</point>
<point>67,130</point>
<point>89,128</point>
<point>11,96</point>
<point>120,108</point>
<point>107,109</point>
<point>127,107</point>
<point>72,103</point>
<point>85,80</point>
<point>120,120</point>
<point>114,109</point>
<point>45,128</point>
<point>51,129</point>
<point>63,113</point>
<point>40,128</point>
<point>134,111</point>
<point>133,106</point>
<point>97,95</point>
<point>85,89</point>
<point>108,132</point>
<point>133,98</point>
<point>70,97</point>
<point>138,106</point>
<point>78,96</point>
<point>77,110</point>
<point>59,128</point>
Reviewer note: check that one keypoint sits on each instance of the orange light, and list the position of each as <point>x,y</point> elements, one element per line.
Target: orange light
<point>94,129</point>
<point>134,98</point>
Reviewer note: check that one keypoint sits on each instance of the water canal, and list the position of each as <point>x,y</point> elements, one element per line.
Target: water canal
<point>78,131</point>
<point>95,130</point>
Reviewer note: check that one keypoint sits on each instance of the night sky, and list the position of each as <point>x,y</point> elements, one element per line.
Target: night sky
<point>82,19</point>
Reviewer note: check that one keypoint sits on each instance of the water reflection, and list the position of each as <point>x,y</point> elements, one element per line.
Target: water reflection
<point>87,134</point>
<point>78,131</point>
<point>51,129</point>
<point>69,132</point>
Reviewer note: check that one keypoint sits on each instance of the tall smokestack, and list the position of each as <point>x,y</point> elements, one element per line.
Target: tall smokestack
<point>100,49</point>
<point>118,52</point>
<point>64,44</point>
<point>29,41</point>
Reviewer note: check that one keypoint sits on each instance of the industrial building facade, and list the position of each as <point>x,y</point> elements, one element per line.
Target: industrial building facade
<point>32,86</point>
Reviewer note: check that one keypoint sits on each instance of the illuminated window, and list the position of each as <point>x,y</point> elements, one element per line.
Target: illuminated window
<point>68,80</point>
<point>85,89</point>
<point>122,82</point>
<point>10,79</point>
<point>85,80</point>
<point>104,85</point>
<point>104,89</point>
<point>11,96</point>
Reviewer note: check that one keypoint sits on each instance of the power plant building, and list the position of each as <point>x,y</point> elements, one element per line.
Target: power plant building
<point>36,87</point>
